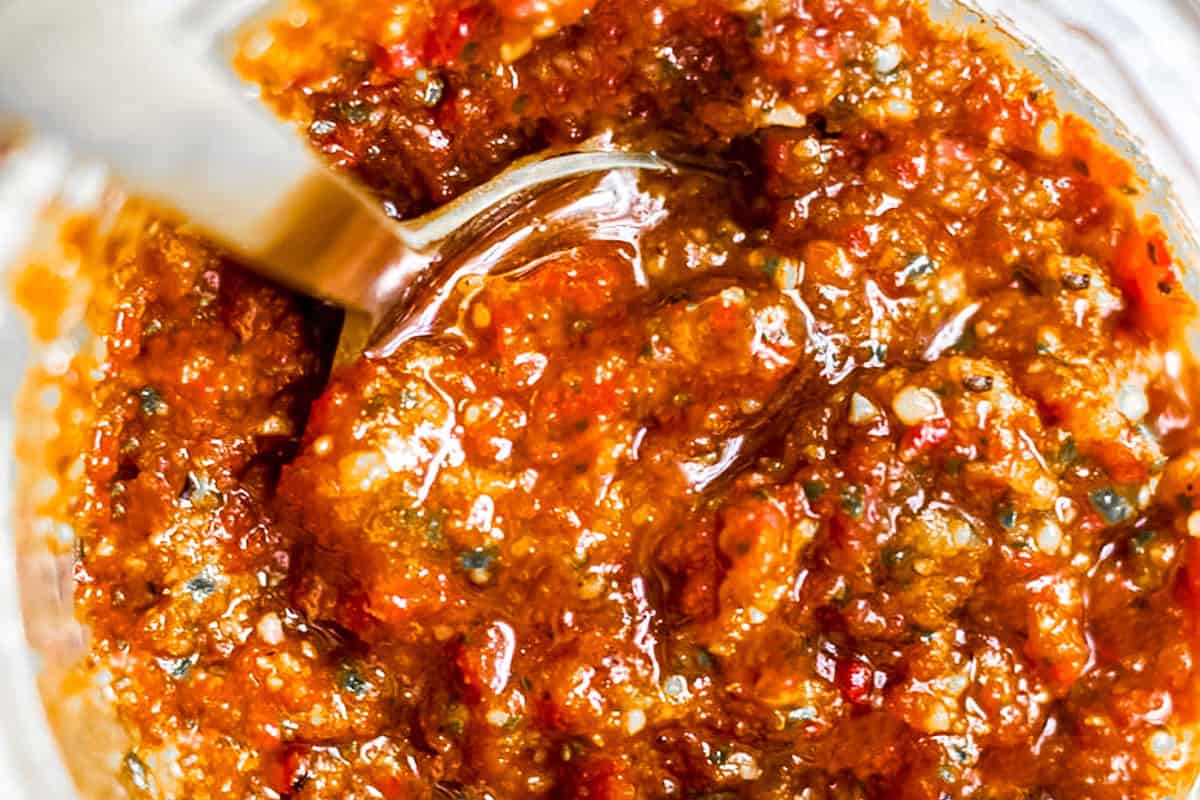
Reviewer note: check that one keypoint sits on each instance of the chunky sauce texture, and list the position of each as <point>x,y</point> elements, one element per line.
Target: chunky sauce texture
<point>864,471</point>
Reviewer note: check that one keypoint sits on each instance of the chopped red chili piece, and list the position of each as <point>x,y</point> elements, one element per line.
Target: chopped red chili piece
<point>923,437</point>
<point>855,679</point>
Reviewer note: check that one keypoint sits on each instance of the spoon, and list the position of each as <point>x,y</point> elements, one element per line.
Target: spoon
<point>106,77</point>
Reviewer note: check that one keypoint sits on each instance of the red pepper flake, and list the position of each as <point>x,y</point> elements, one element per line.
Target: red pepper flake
<point>1187,588</point>
<point>602,779</point>
<point>860,239</point>
<point>400,58</point>
<point>445,44</point>
<point>855,679</point>
<point>926,436</point>
<point>485,662</point>
<point>286,772</point>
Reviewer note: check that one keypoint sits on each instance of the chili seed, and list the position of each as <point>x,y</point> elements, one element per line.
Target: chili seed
<point>914,405</point>
<point>1050,140</point>
<point>887,59</point>
<point>1049,537</point>
<point>1132,403</point>
<point>270,629</point>
<point>1162,744</point>
<point>675,686</point>
<point>862,410</point>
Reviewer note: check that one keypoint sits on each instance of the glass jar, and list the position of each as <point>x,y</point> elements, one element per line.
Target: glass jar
<point>1132,63</point>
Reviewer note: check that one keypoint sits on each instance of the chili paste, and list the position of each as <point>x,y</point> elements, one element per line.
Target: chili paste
<point>862,466</point>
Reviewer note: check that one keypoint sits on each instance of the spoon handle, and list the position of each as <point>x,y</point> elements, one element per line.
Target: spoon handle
<point>106,77</point>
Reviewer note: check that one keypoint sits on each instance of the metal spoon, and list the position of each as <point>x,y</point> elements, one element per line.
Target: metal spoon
<point>106,77</point>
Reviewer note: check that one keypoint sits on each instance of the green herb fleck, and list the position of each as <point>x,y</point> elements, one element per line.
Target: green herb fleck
<point>968,341</point>
<point>433,527</point>
<point>852,500</point>
<point>892,557</point>
<point>1111,505</point>
<point>718,755</point>
<point>814,490</point>
<point>1141,539</point>
<point>878,352</point>
<point>178,668</point>
<point>410,398</point>
<point>478,558</point>
<point>923,633</point>
<point>350,680</point>
<point>201,587</point>
<point>151,401</point>
<point>917,267</point>
<point>1068,453</point>
<point>354,111</point>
